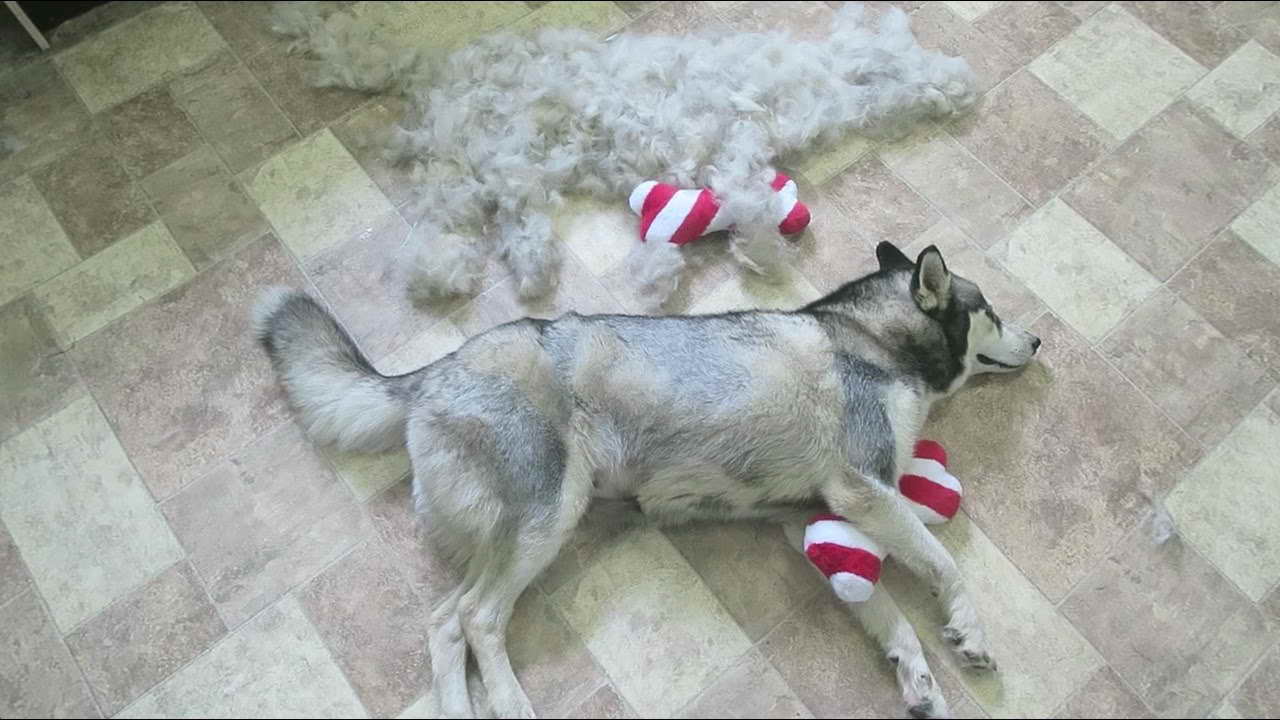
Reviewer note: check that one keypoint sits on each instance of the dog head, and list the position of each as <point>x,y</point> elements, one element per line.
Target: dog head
<point>974,331</point>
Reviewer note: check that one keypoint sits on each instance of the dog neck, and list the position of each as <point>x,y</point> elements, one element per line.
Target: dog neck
<point>875,316</point>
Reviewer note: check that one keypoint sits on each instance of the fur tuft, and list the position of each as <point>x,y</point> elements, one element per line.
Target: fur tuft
<point>507,124</point>
<point>341,400</point>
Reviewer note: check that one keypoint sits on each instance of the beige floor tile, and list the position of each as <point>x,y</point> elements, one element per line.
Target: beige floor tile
<point>126,59</point>
<point>85,525</point>
<point>831,664</point>
<point>832,251</point>
<point>368,474</point>
<point>1053,506</point>
<point>1228,506</point>
<point>203,206</point>
<point>1236,288</point>
<point>1267,139</point>
<point>804,20</point>
<point>1030,136</point>
<point>823,162</point>
<point>36,248</point>
<point>1117,71</point>
<point>1243,91</point>
<point>551,662</point>
<point>378,635</point>
<point>362,280</point>
<point>316,195</point>
<point>1104,696</point>
<point>148,132</point>
<point>268,518</point>
<point>1011,300</point>
<point>209,390</point>
<point>40,678</point>
<point>1259,696</point>
<point>1168,623</point>
<point>422,349</point>
<point>274,666</point>
<point>1026,29</point>
<point>605,703</point>
<point>246,26</point>
<point>1193,28</point>
<point>651,623</point>
<point>788,290</point>
<point>1083,9</point>
<point>437,25</point>
<point>595,16</point>
<point>752,688</point>
<point>1171,188</point>
<point>288,77</point>
<point>678,18</point>
<point>939,28</point>
<point>233,113</point>
<point>37,378</point>
<point>975,199</point>
<point>134,270</point>
<point>366,133</point>
<point>145,636</point>
<point>973,10</point>
<point>1260,20</point>
<point>878,204</point>
<point>1043,659</point>
<point>41,116</point>
<point>14,578</point>
<point>1257,225</point>
<point>94,199</point>
<point>577,291</point>
<point>759,579</point>
<point>1164,344</point>
<point>599,233</point>
<point>1080,273</point>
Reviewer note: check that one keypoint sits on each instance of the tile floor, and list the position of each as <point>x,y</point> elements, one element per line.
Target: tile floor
<point>171,545</point>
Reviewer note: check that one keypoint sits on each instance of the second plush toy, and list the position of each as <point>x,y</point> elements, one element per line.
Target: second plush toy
<point>849,559</point>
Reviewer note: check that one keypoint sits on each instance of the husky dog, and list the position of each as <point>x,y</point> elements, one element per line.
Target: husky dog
<point>755,414</point>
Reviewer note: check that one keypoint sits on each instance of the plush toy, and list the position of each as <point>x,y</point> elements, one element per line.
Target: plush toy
<point>677,216</point>
<point>850,559</point>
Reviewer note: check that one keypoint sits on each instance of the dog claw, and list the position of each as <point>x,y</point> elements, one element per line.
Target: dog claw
<point>970,653</point>
<point>923,710</point>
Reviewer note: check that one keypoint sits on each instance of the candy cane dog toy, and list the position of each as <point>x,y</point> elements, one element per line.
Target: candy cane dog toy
<point>668,213</point>
<point>849,559</point>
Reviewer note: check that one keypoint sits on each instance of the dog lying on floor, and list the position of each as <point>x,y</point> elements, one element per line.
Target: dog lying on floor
<point>756,414</point>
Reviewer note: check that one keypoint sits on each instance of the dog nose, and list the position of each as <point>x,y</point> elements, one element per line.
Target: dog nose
<point>1035,344</point>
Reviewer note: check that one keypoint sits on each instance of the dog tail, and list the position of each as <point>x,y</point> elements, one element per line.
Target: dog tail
<point>341,399</point>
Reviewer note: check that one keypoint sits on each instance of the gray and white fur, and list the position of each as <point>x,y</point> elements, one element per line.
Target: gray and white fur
<point>499,130</point>
<point>757,414</point>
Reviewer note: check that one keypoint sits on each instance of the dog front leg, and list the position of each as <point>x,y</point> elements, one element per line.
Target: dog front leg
<point>883,621</point>
<point>872,507</point>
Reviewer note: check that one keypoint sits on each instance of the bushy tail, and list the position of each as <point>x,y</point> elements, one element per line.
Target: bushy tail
<point>341,399</point>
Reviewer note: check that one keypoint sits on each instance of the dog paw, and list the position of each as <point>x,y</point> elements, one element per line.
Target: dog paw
<point>920,691</point>
<point>970,647</point>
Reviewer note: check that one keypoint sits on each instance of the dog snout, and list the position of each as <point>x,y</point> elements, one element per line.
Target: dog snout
<point>1035,344</point>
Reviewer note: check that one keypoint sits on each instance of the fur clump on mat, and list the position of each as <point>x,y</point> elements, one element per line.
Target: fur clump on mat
<point>507,125</point>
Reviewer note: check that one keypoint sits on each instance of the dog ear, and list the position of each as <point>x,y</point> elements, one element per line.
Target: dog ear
<point>931,284</point>
<point>891,258</point>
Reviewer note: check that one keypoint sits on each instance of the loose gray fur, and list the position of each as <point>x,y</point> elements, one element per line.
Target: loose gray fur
<point>499,130</point>
<point>738,415</point>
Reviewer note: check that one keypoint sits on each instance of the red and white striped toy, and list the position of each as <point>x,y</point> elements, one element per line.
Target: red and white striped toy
<point>850,559</point>
<point>931,491</point>
<point>677,216</point>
